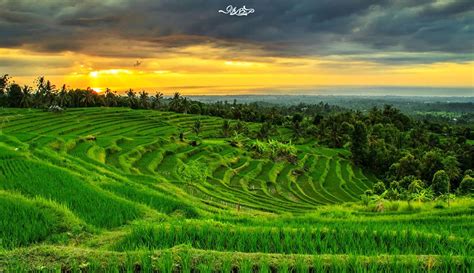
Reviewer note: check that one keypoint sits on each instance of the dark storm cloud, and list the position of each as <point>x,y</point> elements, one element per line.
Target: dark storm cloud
<point>277,28</point>
<point>91,22</point>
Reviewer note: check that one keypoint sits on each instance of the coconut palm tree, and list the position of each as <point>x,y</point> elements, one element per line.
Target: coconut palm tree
<point>49,92</point>
<point>144,100</point>
<point>185,105</point>
<point>110,98</point>
<point>132,97</point>
<point>87,98</point>
<point>63,96</point>
<point>226,128</point>
<point>26,99</point>
<point>175,104</point>
<point>197,127</point>
<point>39,93</point>
<point>157,100</point>
<point>265,130</point>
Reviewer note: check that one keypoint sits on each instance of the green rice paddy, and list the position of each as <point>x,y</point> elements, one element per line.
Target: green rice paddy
<point>116,190</point>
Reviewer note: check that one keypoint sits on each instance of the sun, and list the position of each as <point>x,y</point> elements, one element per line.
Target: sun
<point>97,89</point>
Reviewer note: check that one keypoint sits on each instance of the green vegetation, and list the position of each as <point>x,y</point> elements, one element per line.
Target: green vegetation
<point>304,239</point>
<point>25,221</point>
<point>113,158</point>
<point>227,187</point>
<point>109,188</point>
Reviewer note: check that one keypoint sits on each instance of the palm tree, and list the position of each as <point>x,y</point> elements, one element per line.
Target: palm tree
<point>131,98</point>
<point>49,92</point>
<point>175,103</point>
<point>334,126</point>
<point>185,105</point>
<point>265,130</point>
<point>110,98</point>
<point>241,128</point>
<point>156,100</point>
<point>88,97</point>
<point>297,130</point>
<point>197,127</point>
<point>45,92</point>
<point>74,97</point>
<point>226,128</point>
<point>26,98</point>
<point>144,99</point>
<point>63,98</point>
<point>39,93</point>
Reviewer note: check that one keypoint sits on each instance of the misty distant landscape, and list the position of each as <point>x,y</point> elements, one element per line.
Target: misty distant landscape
<point>359,102</point>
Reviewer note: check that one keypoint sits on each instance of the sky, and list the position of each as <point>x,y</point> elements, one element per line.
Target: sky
<point>188,46</point>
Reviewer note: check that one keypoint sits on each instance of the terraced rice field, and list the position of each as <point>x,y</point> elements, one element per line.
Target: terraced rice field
<point>109,188</point>
<point>142,146</point>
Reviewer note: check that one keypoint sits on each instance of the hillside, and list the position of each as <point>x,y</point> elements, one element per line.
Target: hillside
<point>140,150</point>
<point>118,188</point>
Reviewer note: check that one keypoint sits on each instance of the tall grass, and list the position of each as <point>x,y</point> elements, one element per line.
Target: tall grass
<point>343,239</point>
<point>24,221</point>
<point>152,198</point>
<point>245,263</point>
<point>89,202</point>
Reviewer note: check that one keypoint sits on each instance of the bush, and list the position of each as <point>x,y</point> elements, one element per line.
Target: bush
<point>392,206</point>
<point>55,109</point>
<point>236,140</point>
<point>193,172</point>
<point>467,185</point>
<point>379,187</point>
<point>440,184</point>
<point>416,186</point>
<point>274,149</point>
<point>393,194</point>
<point>258,147</point>
<point>279,149</point>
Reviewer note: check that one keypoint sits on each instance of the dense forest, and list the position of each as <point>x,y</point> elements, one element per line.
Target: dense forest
<point>414,157</point>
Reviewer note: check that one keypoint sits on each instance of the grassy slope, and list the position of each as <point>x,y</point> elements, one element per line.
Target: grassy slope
<point>121,191</point>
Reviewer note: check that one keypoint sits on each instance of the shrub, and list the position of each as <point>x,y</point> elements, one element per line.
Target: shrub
<point>279,149</point>
<point>379,187</point>
<point>440,184</point>
<point>467,185</point>
<point>258,147</point>
<point>392,194</point>
<point>274,149</point>
<point>55,109</point>
<point>236,140</point>
<point>193,172</point>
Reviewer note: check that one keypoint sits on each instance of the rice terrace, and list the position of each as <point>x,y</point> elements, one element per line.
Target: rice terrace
<point>136,190</point>
<point>256,136</point>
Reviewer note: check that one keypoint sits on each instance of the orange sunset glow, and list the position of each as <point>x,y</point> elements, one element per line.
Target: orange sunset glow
<point>118,51</point>
<point>200,74</point>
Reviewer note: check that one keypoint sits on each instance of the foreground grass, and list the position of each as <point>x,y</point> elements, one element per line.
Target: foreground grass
<point>186,259</point>
<point>332,239</point>
<point>26,221</point>
<point>335,238</point>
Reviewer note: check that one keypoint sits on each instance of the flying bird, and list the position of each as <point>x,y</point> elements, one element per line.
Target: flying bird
<point>138,63</point>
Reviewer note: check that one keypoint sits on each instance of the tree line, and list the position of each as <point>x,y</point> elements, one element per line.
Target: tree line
<point>412,156</point>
